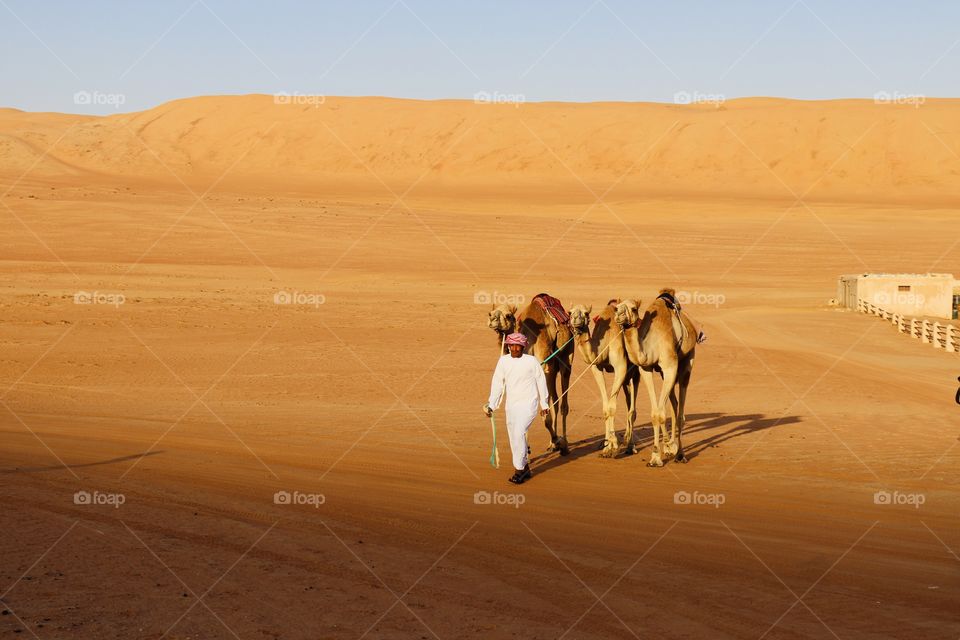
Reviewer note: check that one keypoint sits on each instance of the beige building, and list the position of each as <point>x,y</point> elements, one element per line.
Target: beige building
<point>936,295</point>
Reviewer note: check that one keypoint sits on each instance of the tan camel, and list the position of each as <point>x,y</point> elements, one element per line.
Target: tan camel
<point>602,350</point>
<point>663,339</point>
<point>544,336</point>
<point>502,318</point>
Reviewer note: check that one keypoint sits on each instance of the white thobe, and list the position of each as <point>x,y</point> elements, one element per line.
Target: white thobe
<point>526,388</point>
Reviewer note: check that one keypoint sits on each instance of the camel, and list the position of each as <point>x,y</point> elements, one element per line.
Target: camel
<point>545,336</point>
<point>602,350</point>
<point>663,339</point>
<point>502,318</point>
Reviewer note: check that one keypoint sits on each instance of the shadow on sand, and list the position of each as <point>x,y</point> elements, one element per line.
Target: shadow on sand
<point>57,467</point>
<point>739,425</point>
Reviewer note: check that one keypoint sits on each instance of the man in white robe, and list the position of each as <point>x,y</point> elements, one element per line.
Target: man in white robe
<point>520,376</point>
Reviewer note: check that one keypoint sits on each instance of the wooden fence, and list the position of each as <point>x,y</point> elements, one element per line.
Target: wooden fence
<point>943,336</point>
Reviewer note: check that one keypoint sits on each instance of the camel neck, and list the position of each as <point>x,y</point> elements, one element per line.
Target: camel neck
<point>585,345</point>
<point>633,345</point>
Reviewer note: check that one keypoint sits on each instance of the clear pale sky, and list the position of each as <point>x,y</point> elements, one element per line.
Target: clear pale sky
<point>572,50</point>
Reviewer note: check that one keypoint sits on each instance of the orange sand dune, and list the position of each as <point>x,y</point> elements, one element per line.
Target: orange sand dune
<point>759,146</point>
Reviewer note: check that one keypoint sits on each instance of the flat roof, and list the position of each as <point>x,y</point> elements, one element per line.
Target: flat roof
<point>899,275</point>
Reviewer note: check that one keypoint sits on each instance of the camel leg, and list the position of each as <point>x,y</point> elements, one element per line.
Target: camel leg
<point>619,379</point>
<point>683,382</point>
<point>669,380</point>
<point>548,420</point>
<point>610,442</point>
<point>655,455</point>
<point>631,399</point>
<point>671,446</point>
<point>565,372</point>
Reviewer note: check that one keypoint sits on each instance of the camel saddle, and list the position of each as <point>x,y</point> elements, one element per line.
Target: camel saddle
<point>553,307</point>
<point>674,306</point>
<point>670,301</point>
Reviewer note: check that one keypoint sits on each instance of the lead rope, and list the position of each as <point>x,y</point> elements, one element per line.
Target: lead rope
<point>495,454</point>
<point>599,353</point>
<point>559,349</point>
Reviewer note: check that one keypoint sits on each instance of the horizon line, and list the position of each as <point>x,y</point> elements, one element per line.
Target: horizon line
<point>497,98</point>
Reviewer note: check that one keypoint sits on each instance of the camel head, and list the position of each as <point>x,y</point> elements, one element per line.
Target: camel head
<point>627,313</point>
<point>580,319</point>
<point>502,318</point>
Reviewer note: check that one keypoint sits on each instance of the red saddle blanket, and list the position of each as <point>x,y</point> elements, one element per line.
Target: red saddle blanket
<point>553,306</point>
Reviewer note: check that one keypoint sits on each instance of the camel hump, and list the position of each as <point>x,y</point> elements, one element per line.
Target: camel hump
<point>607,312</point>
<point>671,292</point>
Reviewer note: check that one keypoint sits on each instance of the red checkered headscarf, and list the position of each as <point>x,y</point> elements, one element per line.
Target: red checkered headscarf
<point>516,338</point>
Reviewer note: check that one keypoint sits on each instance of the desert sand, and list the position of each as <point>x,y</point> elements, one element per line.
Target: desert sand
<point>187,389</point>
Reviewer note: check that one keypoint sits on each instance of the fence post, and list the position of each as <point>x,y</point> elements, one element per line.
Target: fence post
<point>924,332</point>
<point>951,344</point>
<point>899,323</point>
<point>913,328</point>
<point>936,335</point>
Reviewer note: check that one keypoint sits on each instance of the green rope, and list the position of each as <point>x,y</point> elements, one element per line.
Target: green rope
<point>494,455</point>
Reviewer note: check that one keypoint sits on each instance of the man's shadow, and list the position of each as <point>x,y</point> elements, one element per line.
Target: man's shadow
<point>58,467</point>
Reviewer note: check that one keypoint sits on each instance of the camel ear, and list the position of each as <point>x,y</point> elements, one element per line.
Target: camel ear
<point>672,292</point>
<point>513,309</point>
<point>589,308</point>
<point>492,306</point>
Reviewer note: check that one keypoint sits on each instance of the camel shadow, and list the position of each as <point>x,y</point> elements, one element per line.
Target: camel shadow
<point>57,467</point>
<point>739,425</point>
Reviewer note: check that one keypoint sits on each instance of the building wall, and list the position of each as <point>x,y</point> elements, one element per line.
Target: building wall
<point>927,296</point>
<point>847,291</point>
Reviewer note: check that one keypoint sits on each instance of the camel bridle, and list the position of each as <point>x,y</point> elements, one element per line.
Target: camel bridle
<point>577,328</point>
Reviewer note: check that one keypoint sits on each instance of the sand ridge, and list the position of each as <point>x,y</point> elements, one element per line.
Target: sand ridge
<point>756,146</point>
